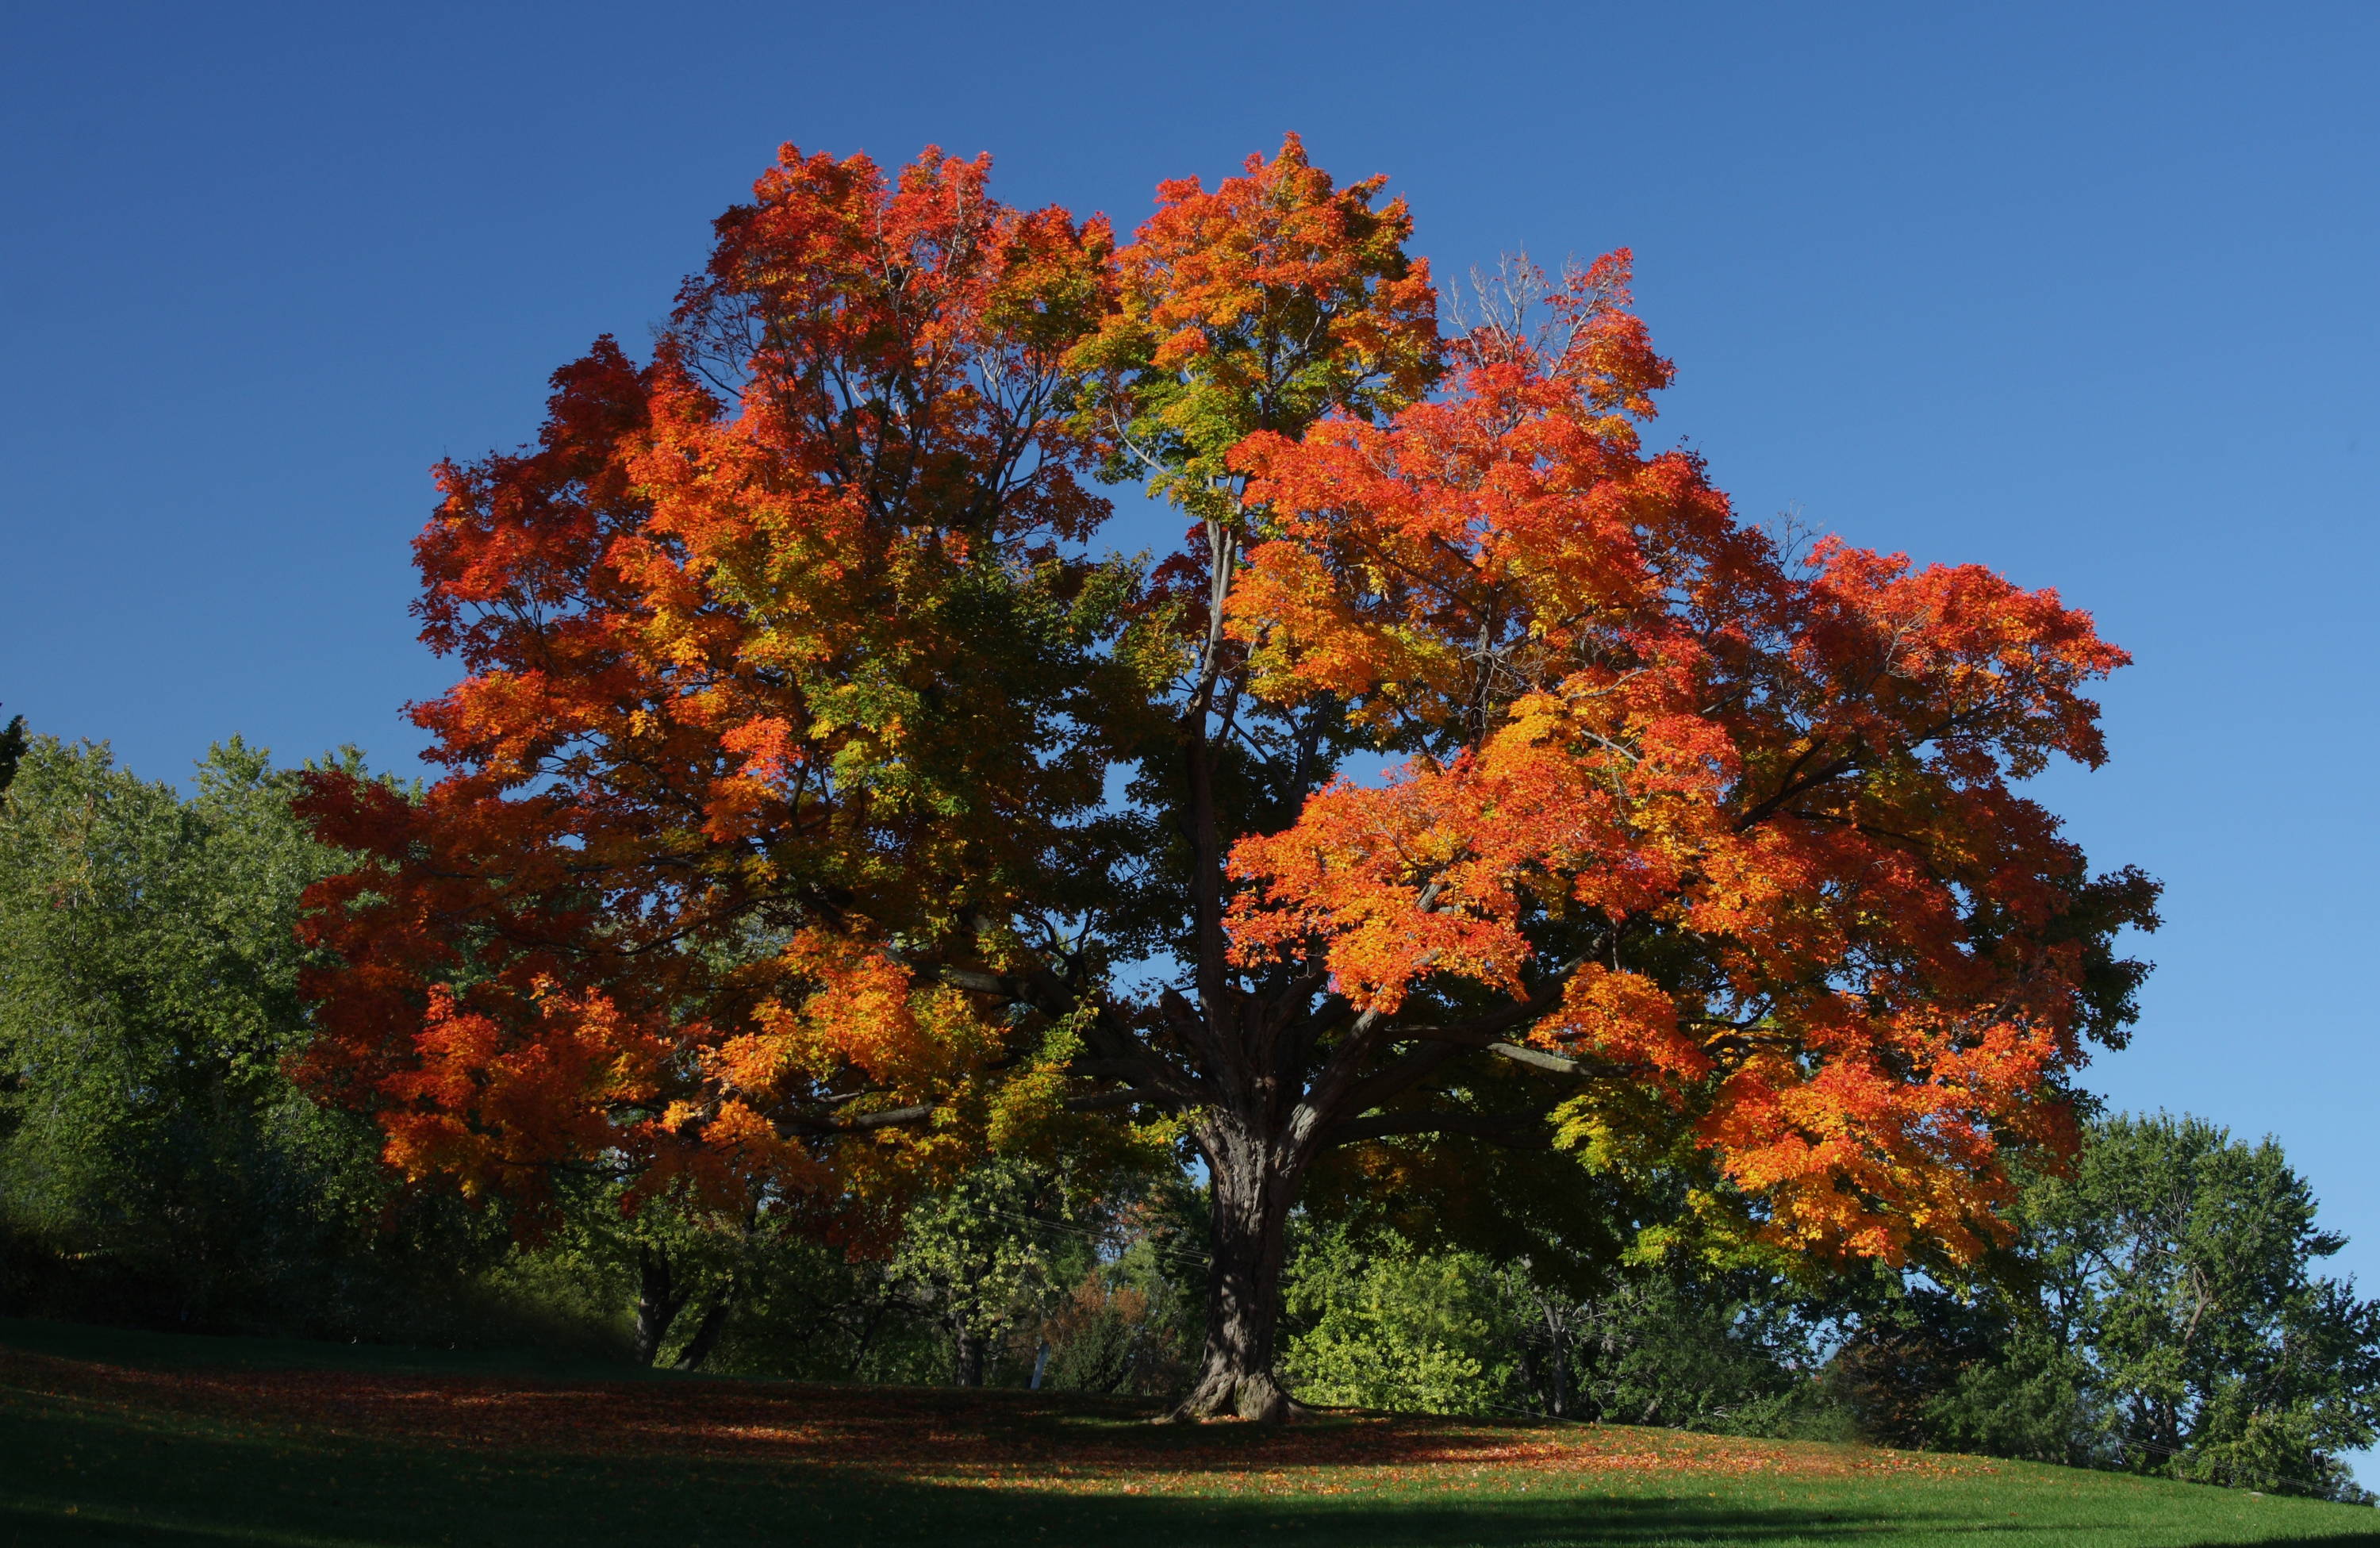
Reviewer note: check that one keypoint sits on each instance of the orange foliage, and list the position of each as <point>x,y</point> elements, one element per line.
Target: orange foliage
<point>1271,300</point>
<point>1782,789</point>
<point>730,723</point>
<point>778,816</point>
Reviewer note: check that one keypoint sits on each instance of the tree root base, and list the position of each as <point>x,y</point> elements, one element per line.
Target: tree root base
<point>1258,1400</point>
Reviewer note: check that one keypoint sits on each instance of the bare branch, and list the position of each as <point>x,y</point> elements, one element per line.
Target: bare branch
<point>1501,1129</point>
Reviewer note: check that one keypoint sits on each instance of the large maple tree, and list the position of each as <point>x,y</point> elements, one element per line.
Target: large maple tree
<point>822,807</point>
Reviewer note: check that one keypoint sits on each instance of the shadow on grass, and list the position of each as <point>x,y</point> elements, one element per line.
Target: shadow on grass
<point>100,1453</point>
<point>183,1352</point>
<point>217,1490</point>
<point>70,1475</point>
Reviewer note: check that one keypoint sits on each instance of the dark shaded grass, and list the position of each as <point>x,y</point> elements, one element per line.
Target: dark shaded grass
<point>176,1352</point>
<point>94,1454</point>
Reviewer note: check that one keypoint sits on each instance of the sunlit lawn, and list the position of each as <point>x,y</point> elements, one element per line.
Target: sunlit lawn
<point>108,1437</point>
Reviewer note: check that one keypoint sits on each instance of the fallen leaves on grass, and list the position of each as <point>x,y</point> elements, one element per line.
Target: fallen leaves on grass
<point>994,1440</point>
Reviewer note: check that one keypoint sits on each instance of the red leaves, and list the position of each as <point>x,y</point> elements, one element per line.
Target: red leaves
<point>529,531</point>
<point>1994,667</point>
<point>927,297</point>
<point>1401,551</point>
<point>485,1093</point>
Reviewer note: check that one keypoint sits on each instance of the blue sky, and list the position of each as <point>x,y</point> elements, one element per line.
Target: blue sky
<point>2089,294</point>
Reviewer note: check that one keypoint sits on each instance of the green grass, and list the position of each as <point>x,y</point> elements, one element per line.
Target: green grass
<point>116,1437</point>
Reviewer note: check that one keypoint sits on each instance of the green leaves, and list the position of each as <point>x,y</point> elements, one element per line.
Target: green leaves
<point>2160,1312</point>
<point>148,996</point>
<point>2185,1262</point>
<point>1380,1321</point>
<point>1389,1326</point>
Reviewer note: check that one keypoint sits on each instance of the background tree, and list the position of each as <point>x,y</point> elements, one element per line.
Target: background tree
<point>818,813</point>
<point>2177,1303</point>
<point>156,1165</point>
<point>672,1273</point>
<point>2159,1310</point>
<point>1130,1320</point>
<point>1376,1320</point>
<point>970,1268</point>
<point>1379,1323</point>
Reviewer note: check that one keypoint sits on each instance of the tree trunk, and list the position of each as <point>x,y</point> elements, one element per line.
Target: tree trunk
<point>706,1333</point>
<point>1251,1192</point>
<point>1558,1362</point>
<point>966,1356</point>
<point>659,1300</point>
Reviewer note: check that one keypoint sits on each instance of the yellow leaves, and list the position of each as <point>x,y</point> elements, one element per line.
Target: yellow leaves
<point>756,1062</point>
<point>750,1144</point>
<point>1308,638</point>
<point>1026,1112</point>
<point>1620,1129</point>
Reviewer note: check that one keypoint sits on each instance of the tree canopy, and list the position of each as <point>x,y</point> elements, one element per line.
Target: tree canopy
<point>822,807</point>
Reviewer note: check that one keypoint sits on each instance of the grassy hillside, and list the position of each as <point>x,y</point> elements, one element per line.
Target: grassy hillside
<point>109,1437</point>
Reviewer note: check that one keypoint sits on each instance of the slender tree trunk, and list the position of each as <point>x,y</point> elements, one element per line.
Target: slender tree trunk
<point>1558,1362</point>
<point>866,1339</point>
<point>706,1333</point>
<point>966,1356</point>
<point>1251,1191</point>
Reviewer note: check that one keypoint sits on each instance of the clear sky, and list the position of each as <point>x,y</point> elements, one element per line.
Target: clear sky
<point>2089,294</point>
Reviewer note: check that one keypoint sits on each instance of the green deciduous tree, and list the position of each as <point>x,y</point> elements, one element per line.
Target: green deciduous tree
<point>1380,1321</point>
<point>2185,1260</point>
<point>1382,1325</point>
<point>970,1260</point>
<point>155,1164</point>
<point>2161,1310</point>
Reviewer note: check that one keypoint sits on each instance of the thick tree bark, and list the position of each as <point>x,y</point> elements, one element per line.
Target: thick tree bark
<point>1265,1097</point>
<point>1252,1188</point>
<point>659,1300</point>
